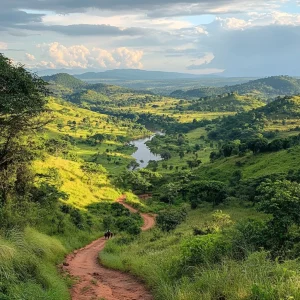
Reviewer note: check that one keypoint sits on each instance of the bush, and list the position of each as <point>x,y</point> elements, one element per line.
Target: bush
<point>130,225</point>
<point>169,220</point>
<point>205,249</point>
<point>248,236</point>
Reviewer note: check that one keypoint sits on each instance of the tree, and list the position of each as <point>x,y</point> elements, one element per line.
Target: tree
<point>258,145</point>
<point>209,191</point>
<point>197,147</point>
<point>22,101</point>
<point>22,104</point>
<point>281,199</point>
<point>276,145</point>
<point>166,155</point>
<point>134,180</point>
<point>169,220</point>
<point>133,165</point>
<point>171,191</point>
<point>91,170</point>
<point>181,154</point>
<point>194,163</point>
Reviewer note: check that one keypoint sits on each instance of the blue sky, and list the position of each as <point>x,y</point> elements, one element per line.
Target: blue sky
<point>227,37</point>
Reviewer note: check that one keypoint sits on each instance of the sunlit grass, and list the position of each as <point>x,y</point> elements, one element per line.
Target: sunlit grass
<point>155,257</point>
<point>75,184</point>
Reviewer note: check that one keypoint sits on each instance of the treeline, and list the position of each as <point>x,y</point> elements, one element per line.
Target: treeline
<point>258,145</point>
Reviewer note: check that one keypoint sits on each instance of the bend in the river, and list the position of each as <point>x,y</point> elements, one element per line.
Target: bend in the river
<point>143,154</point>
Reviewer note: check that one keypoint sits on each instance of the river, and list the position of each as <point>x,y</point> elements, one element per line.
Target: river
<point>143,154</point>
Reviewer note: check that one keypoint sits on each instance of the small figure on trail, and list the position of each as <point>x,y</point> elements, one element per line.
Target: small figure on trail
<point>108,234</point>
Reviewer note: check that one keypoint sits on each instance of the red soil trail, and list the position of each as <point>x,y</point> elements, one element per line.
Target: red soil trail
<point>97,282</point>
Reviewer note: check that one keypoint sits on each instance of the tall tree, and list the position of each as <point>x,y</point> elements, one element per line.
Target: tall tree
<point>22,103</point>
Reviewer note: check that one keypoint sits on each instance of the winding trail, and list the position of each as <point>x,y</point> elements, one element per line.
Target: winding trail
<point>97,282</point>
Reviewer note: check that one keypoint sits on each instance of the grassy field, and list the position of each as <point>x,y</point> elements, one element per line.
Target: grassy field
<point>167,107</point>
<point>253,166</point>
<point>157,258</point>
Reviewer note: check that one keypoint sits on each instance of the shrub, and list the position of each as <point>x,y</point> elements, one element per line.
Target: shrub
<point>221,220</point>
<point>205,249</point>
<point>247,236</point>
<point>169,220</point>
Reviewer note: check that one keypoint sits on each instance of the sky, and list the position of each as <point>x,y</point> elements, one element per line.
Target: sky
<point>224,37</point>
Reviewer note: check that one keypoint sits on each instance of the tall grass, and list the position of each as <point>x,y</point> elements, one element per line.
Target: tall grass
<point>157,258</point>
<point>28,266</point>
<point>29,259</point>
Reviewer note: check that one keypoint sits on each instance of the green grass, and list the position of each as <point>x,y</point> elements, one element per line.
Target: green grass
<point>81,192</point>
<point>156,257</point>
<point>27,266</point>
<point>252,166</point>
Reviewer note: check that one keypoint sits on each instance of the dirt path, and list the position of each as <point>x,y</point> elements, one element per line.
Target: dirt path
<point>97,282</point>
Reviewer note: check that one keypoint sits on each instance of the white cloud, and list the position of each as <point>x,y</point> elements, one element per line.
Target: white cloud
<point>45,64</point>
<point>30,57</point>
<point>255,19</point>
<point>3,46</point>
<point>79,56</point>
<point>234,23</point>
<point>204,60</point>
<point>98,17</point>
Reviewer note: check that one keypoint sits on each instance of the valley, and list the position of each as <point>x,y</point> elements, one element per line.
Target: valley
<point>218,167</point>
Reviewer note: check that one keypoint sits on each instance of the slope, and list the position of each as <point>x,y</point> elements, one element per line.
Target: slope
<point>283,115</point>
<point>265,87</point>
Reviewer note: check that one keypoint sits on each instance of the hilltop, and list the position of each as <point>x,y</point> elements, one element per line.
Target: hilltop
<point>265,87</point>
<point>65,80</point>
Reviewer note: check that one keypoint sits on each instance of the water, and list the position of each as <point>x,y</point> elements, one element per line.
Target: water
<point>143,154</point>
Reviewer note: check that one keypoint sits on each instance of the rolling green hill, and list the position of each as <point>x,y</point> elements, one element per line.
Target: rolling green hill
<point>227,102</point>
<point>65,80</point>
<point>282,114</point>
<point>265,87</point>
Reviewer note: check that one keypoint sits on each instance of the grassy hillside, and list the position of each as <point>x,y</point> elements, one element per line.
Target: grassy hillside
<point>167,86</point>
<point>65,80</point>
<point>228,102</point>
<point>82,189</point>
<point>159,257</point>
<point>253,166</point>
<point>281,115</point>
<point>111,99</point>
<point>265,87</point>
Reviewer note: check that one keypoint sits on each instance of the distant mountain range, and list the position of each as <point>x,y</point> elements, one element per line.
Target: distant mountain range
<point>124,74</point>
<point>134,74</point>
